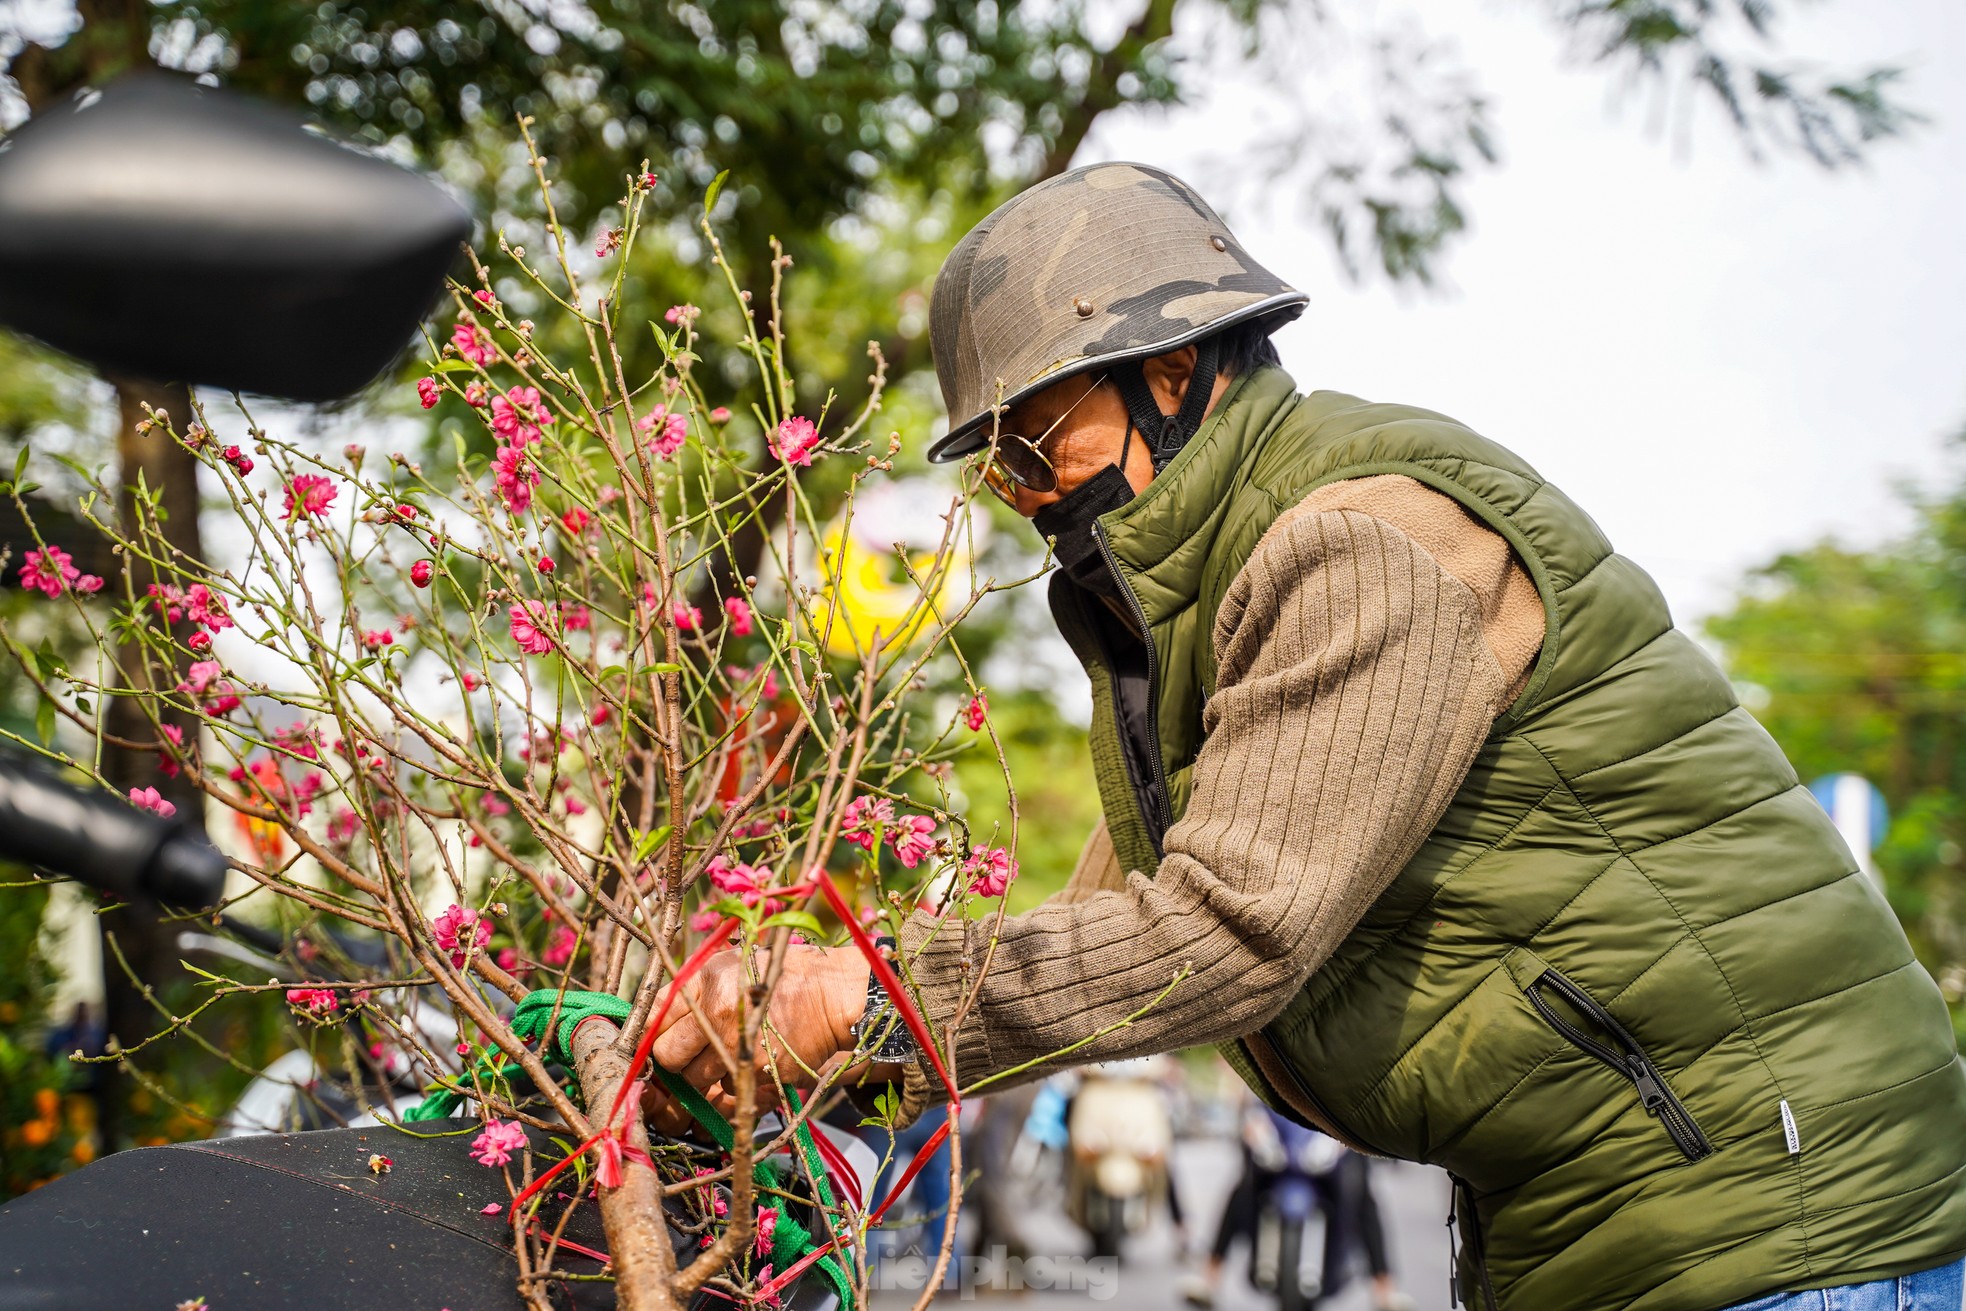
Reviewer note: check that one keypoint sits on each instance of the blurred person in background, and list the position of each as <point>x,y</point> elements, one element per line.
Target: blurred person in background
<point>1417,804</point>
<point>995,1199</point>
<point>1352,1222</point>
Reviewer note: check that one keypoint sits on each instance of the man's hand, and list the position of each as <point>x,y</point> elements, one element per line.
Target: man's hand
<point>820,994</point>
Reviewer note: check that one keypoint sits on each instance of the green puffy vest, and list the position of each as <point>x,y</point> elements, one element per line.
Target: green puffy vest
<point>1632,992</point>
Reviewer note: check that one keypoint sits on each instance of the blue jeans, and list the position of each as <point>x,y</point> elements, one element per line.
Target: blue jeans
<point>1928,1290</point>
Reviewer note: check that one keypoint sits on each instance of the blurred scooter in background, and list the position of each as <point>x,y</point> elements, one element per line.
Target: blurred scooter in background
<point>1116,1176</point>
<point>1305,1205</point>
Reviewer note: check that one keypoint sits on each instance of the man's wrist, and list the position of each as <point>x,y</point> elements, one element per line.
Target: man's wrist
<point>847,994</point>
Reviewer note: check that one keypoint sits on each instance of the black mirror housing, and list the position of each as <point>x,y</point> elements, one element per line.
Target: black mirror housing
<point>181,233</point>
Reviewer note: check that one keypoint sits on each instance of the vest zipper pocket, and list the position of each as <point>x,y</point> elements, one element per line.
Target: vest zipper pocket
<point>1621,1054</point>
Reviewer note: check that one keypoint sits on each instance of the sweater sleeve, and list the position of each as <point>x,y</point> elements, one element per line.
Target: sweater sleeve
<point>1354,690</point>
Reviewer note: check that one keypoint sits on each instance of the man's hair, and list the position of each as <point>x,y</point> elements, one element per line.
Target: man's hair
<point>1245,347</point>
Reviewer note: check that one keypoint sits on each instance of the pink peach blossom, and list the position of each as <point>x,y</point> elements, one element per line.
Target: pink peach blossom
<point>206,607</point>
<point>531,628</point>
<point>168,599</point>
<point>666,431</point>
<point>910,839</point>
<point>149,799</point>
<point>319,1001</point>
<point>989,870</point>
<point>499,1142</point>
<point>460,932</point>
<point>515,476</point>
<point>515,414</point>
<point>745,882</point>
<point>794,441</point>
<point>307,789</point>
<point>862,815</point>
<point>52,571</point>
<point>343,827</point>
<point>559,950</point>
<point>310,494</point>
<point>473,345</point>
<point>167,759</point>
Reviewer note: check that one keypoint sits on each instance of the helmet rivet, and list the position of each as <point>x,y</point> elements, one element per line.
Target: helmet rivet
<point>1218,243</point>
<point>1082,306</point>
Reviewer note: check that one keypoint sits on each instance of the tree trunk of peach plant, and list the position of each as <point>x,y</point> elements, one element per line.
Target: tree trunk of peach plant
<point>147,942</point>
<point>638,1236</point>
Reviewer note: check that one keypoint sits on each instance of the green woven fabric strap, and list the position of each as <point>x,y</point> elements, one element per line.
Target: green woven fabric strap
<point>790,1240</point>
<point>529,1022</point>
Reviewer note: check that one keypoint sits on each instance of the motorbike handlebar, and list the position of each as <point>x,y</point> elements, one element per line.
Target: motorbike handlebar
<point>95,839</point>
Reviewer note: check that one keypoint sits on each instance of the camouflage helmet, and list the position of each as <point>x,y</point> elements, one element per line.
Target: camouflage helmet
<point>1107,263</point>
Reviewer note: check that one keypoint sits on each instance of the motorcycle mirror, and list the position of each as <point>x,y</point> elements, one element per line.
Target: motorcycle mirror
<point>181,233</point>
<point>94,838</point>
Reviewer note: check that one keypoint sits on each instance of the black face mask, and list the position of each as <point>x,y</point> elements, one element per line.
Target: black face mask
<point>1070,519</point>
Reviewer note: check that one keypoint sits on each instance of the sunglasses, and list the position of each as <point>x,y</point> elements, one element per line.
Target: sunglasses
<point>1015,460</point>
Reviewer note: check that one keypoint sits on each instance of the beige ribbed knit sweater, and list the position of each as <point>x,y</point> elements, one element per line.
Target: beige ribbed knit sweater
<point>1364,651</point>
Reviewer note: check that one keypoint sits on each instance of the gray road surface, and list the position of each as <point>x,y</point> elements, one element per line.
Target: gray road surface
<point>1413,1200</point>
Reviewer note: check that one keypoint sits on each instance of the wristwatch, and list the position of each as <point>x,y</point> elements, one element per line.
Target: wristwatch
<point>879,1034</point>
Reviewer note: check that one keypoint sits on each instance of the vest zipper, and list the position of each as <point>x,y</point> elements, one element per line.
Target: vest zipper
<point>1627,1058</point>
<point>1464,1231</point>
<point>1163,803</point>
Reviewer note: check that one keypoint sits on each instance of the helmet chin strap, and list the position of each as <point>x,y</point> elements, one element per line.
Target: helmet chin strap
<point>1165,434</point>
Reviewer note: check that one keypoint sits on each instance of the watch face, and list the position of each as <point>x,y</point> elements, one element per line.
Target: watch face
<point>883,1023</point>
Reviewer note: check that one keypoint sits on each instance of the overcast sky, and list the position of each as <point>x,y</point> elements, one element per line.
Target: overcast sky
<point>1717,360</point>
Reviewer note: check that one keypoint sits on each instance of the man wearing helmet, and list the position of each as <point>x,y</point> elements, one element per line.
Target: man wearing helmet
<point>1436,825</point>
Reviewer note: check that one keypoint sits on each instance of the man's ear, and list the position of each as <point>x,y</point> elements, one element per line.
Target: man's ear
<point>1168,376</point>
